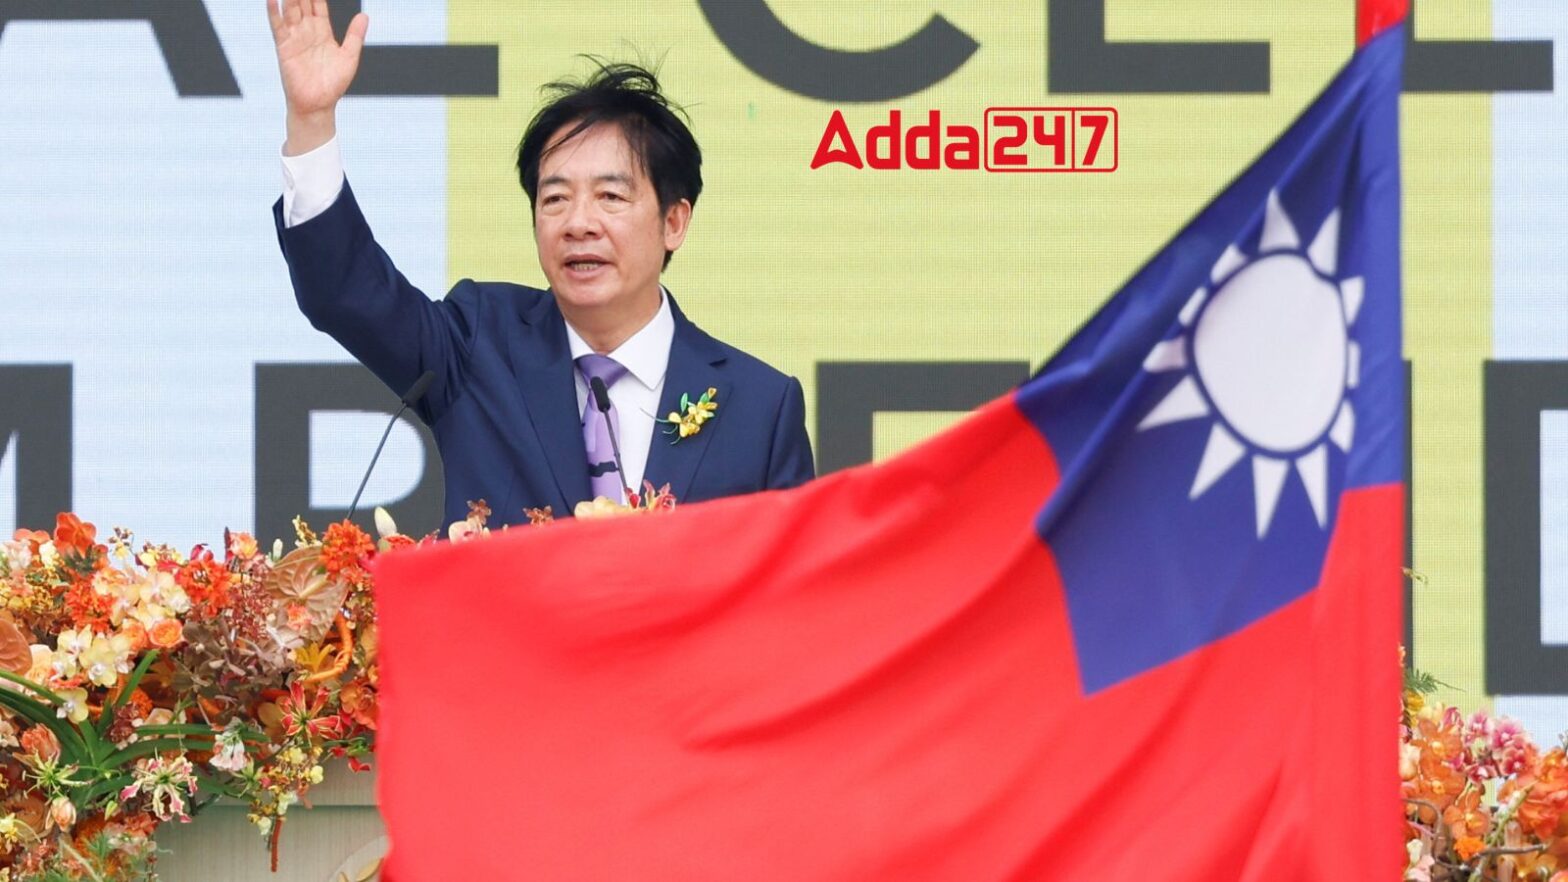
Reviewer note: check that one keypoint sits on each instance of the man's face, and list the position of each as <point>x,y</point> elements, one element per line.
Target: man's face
<point>597,223</point>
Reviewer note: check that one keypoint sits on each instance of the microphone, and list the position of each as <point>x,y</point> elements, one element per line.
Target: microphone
<point>601,400</point>
<point>410,398</point>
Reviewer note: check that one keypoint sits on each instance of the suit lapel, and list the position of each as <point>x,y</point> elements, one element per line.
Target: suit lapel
<point>542,362</point>
<point>695,360</point>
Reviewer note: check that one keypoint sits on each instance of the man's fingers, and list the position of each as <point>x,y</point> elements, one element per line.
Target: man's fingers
<point>354,40</point>
<point>319,7</point>
<point>274,17</point>
<point>291,12</point>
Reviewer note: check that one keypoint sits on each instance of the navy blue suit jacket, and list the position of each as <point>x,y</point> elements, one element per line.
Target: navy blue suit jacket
<point>503,406</point>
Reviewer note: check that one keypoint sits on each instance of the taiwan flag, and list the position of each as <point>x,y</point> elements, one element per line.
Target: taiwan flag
<point>1137,620</point>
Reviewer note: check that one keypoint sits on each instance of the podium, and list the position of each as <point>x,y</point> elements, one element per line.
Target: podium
<point>342,833</point>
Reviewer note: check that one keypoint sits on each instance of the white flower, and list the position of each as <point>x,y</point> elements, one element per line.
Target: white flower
<point>229,754</point>
<point>385,526</point>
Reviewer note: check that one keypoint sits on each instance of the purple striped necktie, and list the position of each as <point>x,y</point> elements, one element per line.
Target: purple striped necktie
<point>603,476</point>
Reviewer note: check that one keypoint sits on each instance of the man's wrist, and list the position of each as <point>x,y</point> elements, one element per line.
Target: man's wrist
<point>308,131</point>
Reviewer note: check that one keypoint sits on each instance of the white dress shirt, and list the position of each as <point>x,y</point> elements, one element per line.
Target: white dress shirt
<point>312,182</point>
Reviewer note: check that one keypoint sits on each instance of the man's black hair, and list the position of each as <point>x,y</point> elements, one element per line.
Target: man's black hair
<point>628,96</point>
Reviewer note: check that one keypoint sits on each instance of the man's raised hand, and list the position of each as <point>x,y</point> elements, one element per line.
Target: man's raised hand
<point>316,70</point>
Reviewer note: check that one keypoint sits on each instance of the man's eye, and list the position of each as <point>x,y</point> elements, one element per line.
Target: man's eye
<point>616,197</point>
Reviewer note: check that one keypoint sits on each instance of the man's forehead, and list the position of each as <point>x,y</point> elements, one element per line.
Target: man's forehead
<point>599,152</point>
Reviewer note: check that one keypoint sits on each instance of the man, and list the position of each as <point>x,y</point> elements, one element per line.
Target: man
<point>612,175</point>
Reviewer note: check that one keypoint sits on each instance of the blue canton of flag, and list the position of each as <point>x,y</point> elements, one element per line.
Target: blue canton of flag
<point>1207,419</point>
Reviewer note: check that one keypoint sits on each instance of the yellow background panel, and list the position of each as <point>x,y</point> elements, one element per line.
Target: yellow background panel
<point>798,266</point>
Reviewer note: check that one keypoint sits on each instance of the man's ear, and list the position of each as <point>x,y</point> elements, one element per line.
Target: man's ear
<point>677,219</point>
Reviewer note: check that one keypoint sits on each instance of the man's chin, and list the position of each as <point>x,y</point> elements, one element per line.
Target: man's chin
<point>584,297</point>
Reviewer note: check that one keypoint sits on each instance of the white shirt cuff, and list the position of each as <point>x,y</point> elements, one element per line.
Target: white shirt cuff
<point>311,182</point>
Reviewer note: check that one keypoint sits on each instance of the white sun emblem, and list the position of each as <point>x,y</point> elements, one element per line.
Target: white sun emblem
<point>1268,353</point>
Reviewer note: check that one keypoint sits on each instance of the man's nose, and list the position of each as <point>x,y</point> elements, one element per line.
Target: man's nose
<point>582,219</point>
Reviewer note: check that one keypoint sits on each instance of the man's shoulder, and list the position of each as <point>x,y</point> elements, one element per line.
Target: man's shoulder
<point>502,297</point>
<point>755,372</point>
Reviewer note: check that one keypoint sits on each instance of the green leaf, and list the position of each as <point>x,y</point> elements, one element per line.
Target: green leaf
<point>211,784</point>
<point>145,748</point>
<point>30,708</point>
<point>94,746</point>
<point>106,787</point>
<point>685,402</point>
<point>192,729</point>
<point>54,699</point>
<point>72,743</point>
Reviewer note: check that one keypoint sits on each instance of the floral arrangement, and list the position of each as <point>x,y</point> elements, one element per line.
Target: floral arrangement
<point>139,684</point>
<point>1482,801</point>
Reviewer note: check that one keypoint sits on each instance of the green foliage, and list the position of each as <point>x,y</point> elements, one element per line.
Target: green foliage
<point>1423,683</point>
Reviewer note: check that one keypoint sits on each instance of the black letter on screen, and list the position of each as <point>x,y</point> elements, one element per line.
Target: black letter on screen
<point>285,396</point>
<point>1475,65</point>
<point>35,429</point>
<point>421,70</point>
<point>851,393</point>
<point>183,29</point>
<point>1517,661</point>
<point>779,55</point>
<point>1080,59</point>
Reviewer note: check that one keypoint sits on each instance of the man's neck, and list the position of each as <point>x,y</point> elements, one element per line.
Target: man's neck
<point>606,331</point>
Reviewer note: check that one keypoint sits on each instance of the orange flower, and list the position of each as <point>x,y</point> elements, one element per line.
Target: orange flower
<point>137,705</point>
<point>166,633</point>
<point>1466,816</point>
<point>1546,794</point>
<point>1468,847</point>
<point>206,583</point>
<point>343,548</point>
<point>1436,780</point>
<point>40,742</point>
<point>33,538</point>
<point>86,607</point>
<point>241,545</point>
<point>359,703</point>
<point>70,532</point>
<point>136,633</point>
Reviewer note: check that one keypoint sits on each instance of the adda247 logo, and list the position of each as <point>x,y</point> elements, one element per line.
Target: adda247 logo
<point>1015,139</point>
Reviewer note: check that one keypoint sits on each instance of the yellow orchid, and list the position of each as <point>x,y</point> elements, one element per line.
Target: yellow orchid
<point>688,420</point>
<point>98,663</point>
<point>73,705</point>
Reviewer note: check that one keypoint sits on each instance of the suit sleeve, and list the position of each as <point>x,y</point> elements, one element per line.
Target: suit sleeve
<point>789,462</point>
<point>347,286</point>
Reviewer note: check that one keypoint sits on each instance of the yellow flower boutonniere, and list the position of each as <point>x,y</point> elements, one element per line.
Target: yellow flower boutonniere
<point>688,420</point>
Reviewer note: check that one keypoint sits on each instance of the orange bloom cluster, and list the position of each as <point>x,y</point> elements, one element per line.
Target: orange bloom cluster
<point>343,551</point>
<point>206,583</point>
<point>1543,813</point>
<point>87,607</point>
<point>1437,778</point>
